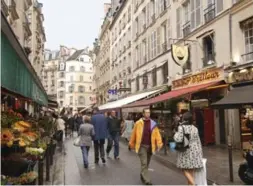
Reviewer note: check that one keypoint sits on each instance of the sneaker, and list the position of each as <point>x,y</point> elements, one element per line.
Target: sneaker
<point>86,166</point>
<point>103,160</point>
<point>117,158</point>
<point>96,161</point>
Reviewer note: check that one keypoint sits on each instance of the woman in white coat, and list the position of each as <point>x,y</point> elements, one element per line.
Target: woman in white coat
<point>190,159</point>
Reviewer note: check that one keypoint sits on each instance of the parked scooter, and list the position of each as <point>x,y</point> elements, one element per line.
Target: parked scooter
<point>245,171</point>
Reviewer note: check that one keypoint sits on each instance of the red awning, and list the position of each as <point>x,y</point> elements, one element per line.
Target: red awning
<point>170,95</point>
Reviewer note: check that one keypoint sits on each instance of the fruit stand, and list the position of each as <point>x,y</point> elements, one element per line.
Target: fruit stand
<point>23,147</point>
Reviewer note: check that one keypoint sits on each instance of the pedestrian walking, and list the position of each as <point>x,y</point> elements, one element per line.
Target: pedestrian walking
<point>145,139</point>
<point>60,126</point>
<point>86,133</point>
<point>79,120</point>
<point>100,125</point>
<point>190,159</point>
<point>114,129</point>
<point>127,129</point>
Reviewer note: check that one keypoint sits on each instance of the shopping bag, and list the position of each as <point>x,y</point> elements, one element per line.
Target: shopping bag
<point>200,175</point>
<point>77,142</point>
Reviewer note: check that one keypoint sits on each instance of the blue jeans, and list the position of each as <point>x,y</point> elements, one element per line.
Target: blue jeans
<point>113,138</point>
<point>85,152</point>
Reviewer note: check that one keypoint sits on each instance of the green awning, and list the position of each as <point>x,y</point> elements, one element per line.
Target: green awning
<point>15,74</point>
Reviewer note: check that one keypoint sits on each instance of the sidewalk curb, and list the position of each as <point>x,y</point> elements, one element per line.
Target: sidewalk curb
<point>170,164</point>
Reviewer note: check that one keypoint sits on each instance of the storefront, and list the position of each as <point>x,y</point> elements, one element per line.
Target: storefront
<point>195,93</point>
<point>240,97</point>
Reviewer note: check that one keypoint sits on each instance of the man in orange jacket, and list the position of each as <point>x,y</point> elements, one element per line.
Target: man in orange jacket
<point>146,140</point>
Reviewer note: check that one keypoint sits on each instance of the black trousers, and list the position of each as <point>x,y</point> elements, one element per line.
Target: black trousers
<point>99,149</point>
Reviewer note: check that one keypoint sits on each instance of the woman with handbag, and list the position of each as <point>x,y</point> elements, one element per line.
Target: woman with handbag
<point>86,134</point>
<point>189,148</point>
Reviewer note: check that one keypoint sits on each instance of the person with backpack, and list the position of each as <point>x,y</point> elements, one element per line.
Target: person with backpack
<point>188,145</point>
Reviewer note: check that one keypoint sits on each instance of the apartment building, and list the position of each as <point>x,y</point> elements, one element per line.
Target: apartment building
<point>50,70</point>
<point>26,19</point>
<point>121,49</point>
<point>151,32</point>
<point>101,63</point>
<point>75,81</point>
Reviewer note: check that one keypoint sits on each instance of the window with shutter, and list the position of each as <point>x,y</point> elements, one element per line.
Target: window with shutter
<point>219,6</point>
<point>147,15</point>
<point>179,30</point>
<point>193,14</point>
<point>152,8</point>
<point>158,40</point>
<point>148,49</point>
<point>157,8</point>
<point>155,44</point>
<point>169,33</point>
<point>152,46</point>
<point>198,12</point>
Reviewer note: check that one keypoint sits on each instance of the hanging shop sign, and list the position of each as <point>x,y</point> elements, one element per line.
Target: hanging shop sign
<point>199,78</point>
<point>180,54</point>
<point>243,75</point>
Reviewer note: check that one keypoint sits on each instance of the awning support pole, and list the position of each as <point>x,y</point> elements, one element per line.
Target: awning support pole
<point>230,159</point>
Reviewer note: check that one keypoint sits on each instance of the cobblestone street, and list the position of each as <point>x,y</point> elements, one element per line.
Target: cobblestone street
<point>125,171</point>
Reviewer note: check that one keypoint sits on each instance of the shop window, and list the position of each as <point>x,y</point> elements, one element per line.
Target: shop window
<point>246,119</point>
<point>154,77</point>
<point>209,51</point>
<point>248,39</point>
<point>165,70</point>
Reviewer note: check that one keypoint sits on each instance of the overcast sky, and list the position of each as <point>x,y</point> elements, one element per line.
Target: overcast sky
<point>73,23</point>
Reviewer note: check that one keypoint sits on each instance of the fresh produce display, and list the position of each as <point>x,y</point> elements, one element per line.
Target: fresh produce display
<point>10,117</point>
<point>7,137</point>
<point>34,151</point>
<point>25,178</point>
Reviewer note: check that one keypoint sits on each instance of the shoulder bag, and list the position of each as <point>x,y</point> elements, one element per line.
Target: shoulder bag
<point>184,145</point>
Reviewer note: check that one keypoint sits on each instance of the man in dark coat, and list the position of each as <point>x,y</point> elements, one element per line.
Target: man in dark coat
<point>79,120</point>
<point>99,122</point>
<point>114,128</point>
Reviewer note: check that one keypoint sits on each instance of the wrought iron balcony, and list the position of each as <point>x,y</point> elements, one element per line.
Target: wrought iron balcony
<point>209,13</point>
<point>209,59</point>
<point>187,28</point>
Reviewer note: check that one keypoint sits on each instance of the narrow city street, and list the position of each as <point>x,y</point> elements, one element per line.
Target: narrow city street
<point>125,171</point>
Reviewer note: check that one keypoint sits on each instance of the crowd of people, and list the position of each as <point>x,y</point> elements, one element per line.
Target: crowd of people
<point>142,135</point>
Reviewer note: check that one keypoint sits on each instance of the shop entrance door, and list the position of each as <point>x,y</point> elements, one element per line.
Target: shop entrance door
<point>209,131</point>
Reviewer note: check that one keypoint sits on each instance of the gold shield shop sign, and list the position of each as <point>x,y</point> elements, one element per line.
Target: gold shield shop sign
<point>180,54</point>
<point>200,78</point>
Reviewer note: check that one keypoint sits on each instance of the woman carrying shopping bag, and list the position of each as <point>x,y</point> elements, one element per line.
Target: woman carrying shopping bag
<point>189,148</point>
<point>85,134</point>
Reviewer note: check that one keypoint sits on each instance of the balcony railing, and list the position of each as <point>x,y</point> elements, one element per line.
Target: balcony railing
<point>209,13</point>
<point>209,59</point>
<point>186,28</point>
<point>248,57</point>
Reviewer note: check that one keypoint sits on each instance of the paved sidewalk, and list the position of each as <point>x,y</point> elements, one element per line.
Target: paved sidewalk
<point>217,164</point>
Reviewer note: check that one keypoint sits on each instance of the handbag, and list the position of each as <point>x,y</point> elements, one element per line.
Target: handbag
<point>184,145</point>
<point>200,175</point>
<point>77,142</point>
